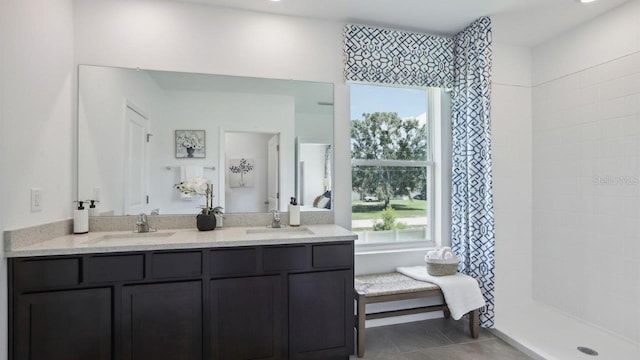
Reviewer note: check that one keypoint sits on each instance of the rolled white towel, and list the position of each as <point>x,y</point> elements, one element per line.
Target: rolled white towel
<point>446,250</point>
<point>431,255</point>
<point>444,253</point>
<point>447,254</point>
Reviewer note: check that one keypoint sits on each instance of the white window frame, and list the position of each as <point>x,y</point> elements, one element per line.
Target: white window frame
<point>433,114</point>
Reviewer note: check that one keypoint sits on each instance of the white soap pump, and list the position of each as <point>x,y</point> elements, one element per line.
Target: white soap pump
<point>93,210</point>
<point>294,213</point>
<point>80,219</point>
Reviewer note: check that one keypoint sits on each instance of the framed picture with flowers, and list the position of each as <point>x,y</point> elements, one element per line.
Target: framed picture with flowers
<point>241,172</point>
<point>190,144</point>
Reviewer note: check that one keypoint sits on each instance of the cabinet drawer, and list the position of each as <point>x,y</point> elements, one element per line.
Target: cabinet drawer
<point>333,255</point>
<point>284,258</point>
<point>169,265</point>
<point>114,268</point>
<point>46,274</point>
<point>233,262</point>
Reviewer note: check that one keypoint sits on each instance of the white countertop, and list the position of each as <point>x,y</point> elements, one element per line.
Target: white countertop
<point>119,241</point>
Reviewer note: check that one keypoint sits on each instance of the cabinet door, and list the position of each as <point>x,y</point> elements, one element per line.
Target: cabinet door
<point>246,318</point>
<point>321,315</point>
<point>162,321</point>
<point>71,325</point>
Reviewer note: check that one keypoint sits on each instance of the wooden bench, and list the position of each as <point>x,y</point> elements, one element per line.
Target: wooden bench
<point>394,286</point>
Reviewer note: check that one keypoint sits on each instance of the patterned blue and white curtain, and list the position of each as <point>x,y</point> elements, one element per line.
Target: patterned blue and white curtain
<point>473,231</point>
<point>385,56</point>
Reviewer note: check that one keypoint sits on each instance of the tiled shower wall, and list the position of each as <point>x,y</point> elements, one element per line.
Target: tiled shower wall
<point>586,195</point>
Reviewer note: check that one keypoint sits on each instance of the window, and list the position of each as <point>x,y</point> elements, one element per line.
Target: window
<point>392,166</point>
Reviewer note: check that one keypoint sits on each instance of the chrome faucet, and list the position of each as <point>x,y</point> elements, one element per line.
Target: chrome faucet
<point>275,222</point>
<point>142,226</point>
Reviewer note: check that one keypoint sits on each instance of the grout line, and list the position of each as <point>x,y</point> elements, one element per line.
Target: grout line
<point>513,85</point>
<point>585,69</point>
<point>446,337</point>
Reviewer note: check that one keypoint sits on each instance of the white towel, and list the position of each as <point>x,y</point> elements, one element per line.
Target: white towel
<point>188,173</point>
<point>444,253</point>
<point>447,254</point>
<point>461,292</point>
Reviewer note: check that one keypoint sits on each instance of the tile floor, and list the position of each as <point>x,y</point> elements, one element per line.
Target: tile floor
<point>440,339</point>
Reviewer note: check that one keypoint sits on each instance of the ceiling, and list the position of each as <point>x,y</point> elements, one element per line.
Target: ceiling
<point>516,22</point>
<point>310,97</point>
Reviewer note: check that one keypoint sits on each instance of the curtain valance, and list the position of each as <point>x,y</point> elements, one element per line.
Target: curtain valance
<point>387,56</point>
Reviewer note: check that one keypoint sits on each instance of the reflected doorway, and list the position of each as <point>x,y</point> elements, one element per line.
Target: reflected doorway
<point>136,162</point>
<point>252,172</point>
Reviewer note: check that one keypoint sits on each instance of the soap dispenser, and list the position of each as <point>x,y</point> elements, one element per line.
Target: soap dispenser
<point>294,213</point>
<point>93,210</point>
<point>80,219</point>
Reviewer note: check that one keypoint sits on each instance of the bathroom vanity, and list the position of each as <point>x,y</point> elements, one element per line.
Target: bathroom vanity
<point>187,295</point>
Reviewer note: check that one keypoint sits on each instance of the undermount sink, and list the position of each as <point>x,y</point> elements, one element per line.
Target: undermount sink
<point>302,230</point>
<point>125,237</point>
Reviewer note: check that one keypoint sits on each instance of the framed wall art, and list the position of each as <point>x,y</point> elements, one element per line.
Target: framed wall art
<point>190,144</point>
<point>241,172</point>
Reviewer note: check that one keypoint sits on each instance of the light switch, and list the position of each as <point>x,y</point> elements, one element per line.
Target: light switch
<point>36,199</point>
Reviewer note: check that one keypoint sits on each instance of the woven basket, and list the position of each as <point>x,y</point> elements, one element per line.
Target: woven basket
<point>442,267</point>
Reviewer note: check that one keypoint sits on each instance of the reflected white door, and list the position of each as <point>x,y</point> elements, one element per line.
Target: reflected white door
<point>272,174</point>
<point>135,163</point>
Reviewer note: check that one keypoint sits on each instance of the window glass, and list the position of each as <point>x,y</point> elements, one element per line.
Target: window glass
<point>391,167</point>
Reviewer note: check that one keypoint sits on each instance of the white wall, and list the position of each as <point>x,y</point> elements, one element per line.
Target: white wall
<point>106,92</point>
<point>37,130</point>
<point>36,111</point>
<point>586,182</point>
<point>512,161</point>
<point>312,128</point>
<point>607,37</point>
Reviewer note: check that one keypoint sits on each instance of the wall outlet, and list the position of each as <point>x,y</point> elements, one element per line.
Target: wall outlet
<point>96,193</point>
<point>36,199</point>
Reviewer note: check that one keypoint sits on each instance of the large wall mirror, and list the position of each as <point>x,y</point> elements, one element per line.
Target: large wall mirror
<point>258,141</point>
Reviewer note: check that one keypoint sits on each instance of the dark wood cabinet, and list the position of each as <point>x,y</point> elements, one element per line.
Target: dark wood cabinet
<point>252,302</point>
<point>320,315</point>
<point>161,319</point>
<point>246,318</point>
<point>73,325</point>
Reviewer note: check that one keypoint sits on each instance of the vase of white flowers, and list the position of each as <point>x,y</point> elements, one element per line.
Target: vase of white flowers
<point>190,142</point>
<point>206,220</point>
